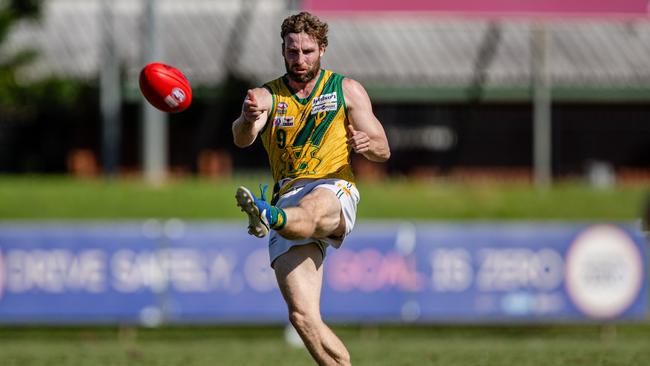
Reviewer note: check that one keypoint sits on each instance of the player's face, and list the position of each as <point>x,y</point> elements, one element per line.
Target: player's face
<point>301,57</point>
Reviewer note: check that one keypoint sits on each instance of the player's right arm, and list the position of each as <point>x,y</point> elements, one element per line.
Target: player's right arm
<point>255,112</point>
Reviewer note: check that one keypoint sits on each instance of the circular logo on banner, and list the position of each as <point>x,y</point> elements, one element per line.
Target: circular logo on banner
<point>604,271</point>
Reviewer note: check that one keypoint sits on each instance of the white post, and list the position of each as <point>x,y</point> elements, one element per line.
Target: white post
<point>541,82</point>
<point>110,96</point>
<point>154,130</point>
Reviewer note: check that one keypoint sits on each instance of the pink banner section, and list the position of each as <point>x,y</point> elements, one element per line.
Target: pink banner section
<point>543,7</point>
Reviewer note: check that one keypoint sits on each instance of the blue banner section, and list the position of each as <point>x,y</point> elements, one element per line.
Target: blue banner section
<point>157,272</point>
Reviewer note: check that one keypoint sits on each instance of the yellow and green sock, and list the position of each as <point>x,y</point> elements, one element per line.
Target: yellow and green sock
<point>277,217</point>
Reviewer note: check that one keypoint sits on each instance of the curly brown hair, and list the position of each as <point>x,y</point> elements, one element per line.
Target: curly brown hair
<point>308,23</point>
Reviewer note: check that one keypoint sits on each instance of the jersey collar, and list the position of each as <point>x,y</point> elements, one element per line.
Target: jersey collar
<point>303,101</point>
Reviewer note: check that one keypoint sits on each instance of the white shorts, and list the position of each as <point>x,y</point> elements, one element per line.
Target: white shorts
<point>347,194</point>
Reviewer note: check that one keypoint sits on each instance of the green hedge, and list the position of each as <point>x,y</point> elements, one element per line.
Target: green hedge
<point>46,197</point>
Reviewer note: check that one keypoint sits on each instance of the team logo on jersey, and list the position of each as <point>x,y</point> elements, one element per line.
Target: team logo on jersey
<point>301,160</point>
<point>324,103</point>
<point>283,121</point>
<point>281,108</point>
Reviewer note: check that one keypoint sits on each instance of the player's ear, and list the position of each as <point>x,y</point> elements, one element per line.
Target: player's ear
<point>282,48</point>
<point>321,50</point>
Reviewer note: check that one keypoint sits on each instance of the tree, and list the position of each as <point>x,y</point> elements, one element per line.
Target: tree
<point>31,127</point>
<point>16,98</point>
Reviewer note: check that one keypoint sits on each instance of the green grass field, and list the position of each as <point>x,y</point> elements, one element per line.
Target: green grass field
<point>574,345</point>
<point>61,198</point>
<point>68,198</point>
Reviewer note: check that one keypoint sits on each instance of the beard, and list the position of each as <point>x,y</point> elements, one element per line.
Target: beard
<point>303,78</point>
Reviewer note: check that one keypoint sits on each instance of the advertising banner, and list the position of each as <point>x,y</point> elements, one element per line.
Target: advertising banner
<point>157,272</point>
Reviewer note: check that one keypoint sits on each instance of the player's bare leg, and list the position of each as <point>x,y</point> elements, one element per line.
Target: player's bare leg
<point>318,215</point>
<point>299,273</point>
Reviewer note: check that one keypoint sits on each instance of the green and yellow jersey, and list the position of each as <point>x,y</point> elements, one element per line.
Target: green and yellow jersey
<point>306,137</point>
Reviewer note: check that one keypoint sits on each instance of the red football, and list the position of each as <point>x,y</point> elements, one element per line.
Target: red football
<point>165,87</point>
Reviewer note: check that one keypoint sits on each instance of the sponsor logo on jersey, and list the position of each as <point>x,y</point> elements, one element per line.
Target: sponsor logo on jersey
<point>324,103</point>
<point>281,108</point>
<point>283,121</point>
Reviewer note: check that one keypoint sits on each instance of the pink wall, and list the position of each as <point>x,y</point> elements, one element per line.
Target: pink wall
<point>575,7</point>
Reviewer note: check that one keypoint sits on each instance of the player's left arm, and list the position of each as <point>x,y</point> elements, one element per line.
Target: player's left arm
<point>365,133</point>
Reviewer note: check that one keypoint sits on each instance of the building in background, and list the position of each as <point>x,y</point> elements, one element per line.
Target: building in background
<point>454,92</point>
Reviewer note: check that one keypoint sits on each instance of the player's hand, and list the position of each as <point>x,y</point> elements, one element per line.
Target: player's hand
<point>358,140</point>
<point>251,109</point>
